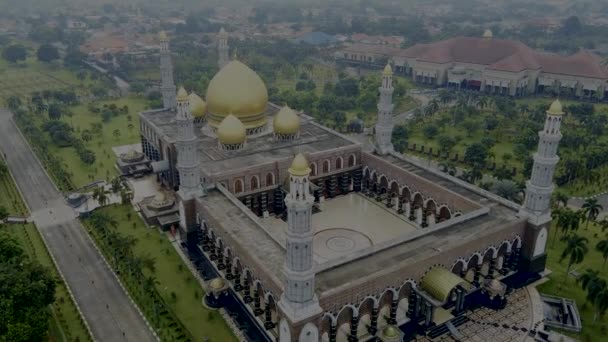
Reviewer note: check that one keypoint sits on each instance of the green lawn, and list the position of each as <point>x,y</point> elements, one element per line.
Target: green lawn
<point>30,76</point>
<point>66,321</point>
<point>173,277</point>
<point>103,168</point>
<point>558,285</point>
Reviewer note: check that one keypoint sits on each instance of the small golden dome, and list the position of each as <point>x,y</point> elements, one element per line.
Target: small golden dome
<point>222,31</point>
<point>286,121</point>
<point>162,36</point>
<point>556,108</point>
<point>182,95</point>
<point>387,70</point>
<point>299,166</point>
<point>237,90</point>
<point>231,131</point>
<point>390,331</point>
<point>197,105</point>
<point>488,34</point>
<point>217,284</point>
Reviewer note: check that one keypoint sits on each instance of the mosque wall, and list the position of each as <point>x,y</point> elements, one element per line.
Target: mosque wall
<point>394,276</point>
<point>416,183</point>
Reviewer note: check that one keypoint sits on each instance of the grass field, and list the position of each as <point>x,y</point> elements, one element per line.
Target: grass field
<point>558,285</point>
<point>66,324</point>
<point>103,168</point>
<point>31,76</point>
<point>173,277</point>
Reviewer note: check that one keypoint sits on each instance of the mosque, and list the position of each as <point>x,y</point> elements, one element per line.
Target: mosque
<point>324,239</point>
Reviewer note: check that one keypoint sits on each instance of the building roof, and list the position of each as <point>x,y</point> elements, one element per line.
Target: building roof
<point>439,282</point>
<point>495,54</point>
<point>317,38</point>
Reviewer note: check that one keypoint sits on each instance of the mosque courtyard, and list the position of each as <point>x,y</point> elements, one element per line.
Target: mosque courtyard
<point>347,224</point>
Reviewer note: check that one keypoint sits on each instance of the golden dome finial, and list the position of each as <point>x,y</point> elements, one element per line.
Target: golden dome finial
<point>286,121</point>
<point>231,131</point>
<point>198,106</point>
<point>182,94</point>
<point>162,36</point>
<point>556,108</point>
<point>388,71</point>
<point>299,166</point>
<point>487,34</point>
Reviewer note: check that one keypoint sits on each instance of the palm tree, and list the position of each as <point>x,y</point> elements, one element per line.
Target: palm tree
<point>560,198</point>
<point>597,293</point>
<point>567,220</point>
<point>603,224</point>
<point>433,106</point>
<point>588,278</point>
<point>99,194</point>
<point>445,96</point>
<point>575,251</point>
<point>591,208</point>
<point>602,247</point>
<point>482,102</point>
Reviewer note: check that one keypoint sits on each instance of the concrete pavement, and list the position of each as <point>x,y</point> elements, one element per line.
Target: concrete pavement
<point>106,307</point>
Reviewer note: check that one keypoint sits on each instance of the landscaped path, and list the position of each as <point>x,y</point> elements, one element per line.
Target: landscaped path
<point>105,305</point>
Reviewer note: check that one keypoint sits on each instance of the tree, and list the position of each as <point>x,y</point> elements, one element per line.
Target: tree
<point>3,213</point>
<point>476,154</point>
<point>567,220</point>
<point>14,53</point>
<point>116,134</point>
<point>55,111</point>
<point>47,53</point>
<point>13,103</point>
<point>446,143</point>
<point>591,208</point>
<point>471,126</point>
<point>430,131</point>
<point>116,185</point>
<point>597,293</point>
<point>26,291</point>
<point>560,198</point>
<point>99,194</point>
<point>575,250</point>
<point>506,189</point>
<point>602,247</point>
<point>86,135</point>
<point>590,276</point>
<point>340,119</point>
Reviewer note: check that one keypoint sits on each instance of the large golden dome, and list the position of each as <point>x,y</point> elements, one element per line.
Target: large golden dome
<point>231,131</point>
<point>238,90</point>
<point>286,121</point>
<point>197,105</point>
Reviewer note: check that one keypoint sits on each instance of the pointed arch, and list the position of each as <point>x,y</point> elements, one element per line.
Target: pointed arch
<point>406,194</point>
<point>352,160</point>
<point>326,166</point>
<point>339,163</point>
<point>444,213</point>
<point>459,267</point>
<point>238,186</point>
<point>269,179</point>
<point>254,183</point>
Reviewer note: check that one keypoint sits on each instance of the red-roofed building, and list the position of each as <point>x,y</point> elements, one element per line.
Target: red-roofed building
<point>495,66</point>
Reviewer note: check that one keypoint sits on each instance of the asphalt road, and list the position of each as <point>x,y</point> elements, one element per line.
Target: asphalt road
<point>105,305</point>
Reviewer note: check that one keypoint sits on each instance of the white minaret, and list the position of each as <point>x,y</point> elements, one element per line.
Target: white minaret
<point>222,45</point>
<point>299,300</point>
<point>167,86</point>
<point>540,186</point>
<point>186,145</point>
<point>384,124</point>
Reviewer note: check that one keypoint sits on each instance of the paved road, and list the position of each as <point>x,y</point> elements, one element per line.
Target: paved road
<point>105,306</point>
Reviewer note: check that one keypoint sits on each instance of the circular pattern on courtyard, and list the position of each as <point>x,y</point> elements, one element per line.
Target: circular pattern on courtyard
<point>335,242</point>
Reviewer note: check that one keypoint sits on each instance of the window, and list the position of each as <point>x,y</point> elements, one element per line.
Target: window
<point>326,166</point>
<point>238,186</point>
<point>351,160</point>
<point>339,163</point>
<point>269,179</point>
<point>254,183</point>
